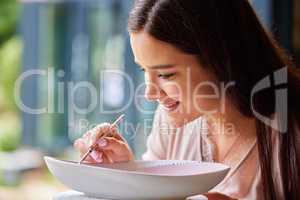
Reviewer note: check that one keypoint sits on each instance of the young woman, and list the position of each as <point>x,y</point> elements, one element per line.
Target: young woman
<point>204,62</point>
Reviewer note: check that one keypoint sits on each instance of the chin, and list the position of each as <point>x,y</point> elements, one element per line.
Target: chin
<point>177,120</point>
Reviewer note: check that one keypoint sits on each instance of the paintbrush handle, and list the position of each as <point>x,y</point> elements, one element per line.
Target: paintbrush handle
<point>118,120</point>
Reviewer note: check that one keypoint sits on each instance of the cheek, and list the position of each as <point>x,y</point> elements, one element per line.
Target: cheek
<point>206,97</point>
<point>174,90</point>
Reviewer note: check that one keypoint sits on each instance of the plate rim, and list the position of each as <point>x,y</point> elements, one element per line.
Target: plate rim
<point>120,171</point>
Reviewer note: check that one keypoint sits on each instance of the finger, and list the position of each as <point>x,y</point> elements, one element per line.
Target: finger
<point>97,156</point>
<point>118,150</point>
<point>100,130</point>
<point>113,144</point>
<point>115,134</point>
<point>107,158</point>
<point>107,130</point>
<point>80,145</point>
<point>116,158</point>
<point>89,159</point>
<point>87,138</point>
<point>87,134</point>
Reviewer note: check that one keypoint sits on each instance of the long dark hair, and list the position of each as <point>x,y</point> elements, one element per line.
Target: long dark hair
<point>229,40</point>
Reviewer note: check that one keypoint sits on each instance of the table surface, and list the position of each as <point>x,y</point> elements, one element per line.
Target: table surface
<point>73,195</point>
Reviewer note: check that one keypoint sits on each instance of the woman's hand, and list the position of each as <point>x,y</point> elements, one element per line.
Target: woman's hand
<point>217,196</point>
<point>211,196</point>
<point>112,148</point>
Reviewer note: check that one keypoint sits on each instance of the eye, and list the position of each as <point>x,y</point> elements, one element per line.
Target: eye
<point>166,76</point>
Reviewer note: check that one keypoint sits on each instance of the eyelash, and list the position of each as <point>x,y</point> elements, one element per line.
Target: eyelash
<point>163,76</point>
<point>166,76</point>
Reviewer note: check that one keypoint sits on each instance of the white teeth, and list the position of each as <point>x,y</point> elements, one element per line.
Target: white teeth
<point>169,107</point>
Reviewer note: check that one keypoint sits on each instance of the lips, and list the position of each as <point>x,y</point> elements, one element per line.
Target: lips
<point>170,106</point>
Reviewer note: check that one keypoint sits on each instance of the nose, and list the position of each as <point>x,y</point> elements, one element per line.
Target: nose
<point>152,92</point>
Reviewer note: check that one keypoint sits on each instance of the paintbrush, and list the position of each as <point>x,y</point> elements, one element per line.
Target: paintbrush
<point>92,147</point>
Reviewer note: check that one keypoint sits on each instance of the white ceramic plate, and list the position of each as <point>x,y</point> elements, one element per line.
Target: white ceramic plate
<point>138,180</point>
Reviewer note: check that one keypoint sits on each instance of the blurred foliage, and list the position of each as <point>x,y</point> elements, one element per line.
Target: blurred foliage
<point>9,13</point>
<point>9,132</point>
<point>10,54</point>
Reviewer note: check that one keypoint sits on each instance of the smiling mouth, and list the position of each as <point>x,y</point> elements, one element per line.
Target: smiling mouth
<point>170,106</point>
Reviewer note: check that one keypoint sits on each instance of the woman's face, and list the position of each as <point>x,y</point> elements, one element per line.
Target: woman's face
<point>176,80</point>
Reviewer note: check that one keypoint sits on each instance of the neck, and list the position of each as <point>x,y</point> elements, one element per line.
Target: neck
<point>226,128</point>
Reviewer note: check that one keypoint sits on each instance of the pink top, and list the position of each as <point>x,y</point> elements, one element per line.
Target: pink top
<point>192,142</point>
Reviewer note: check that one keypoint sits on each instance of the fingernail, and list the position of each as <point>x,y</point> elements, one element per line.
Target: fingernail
<point>102,142</point>
<point>97,156</point>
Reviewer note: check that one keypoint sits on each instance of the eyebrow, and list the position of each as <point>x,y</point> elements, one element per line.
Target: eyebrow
<point>166,66</point>
<point>163,66</point>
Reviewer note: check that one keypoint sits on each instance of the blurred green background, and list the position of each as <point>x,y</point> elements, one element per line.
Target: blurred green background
<point>10,65</point>
<point>77,39</point>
